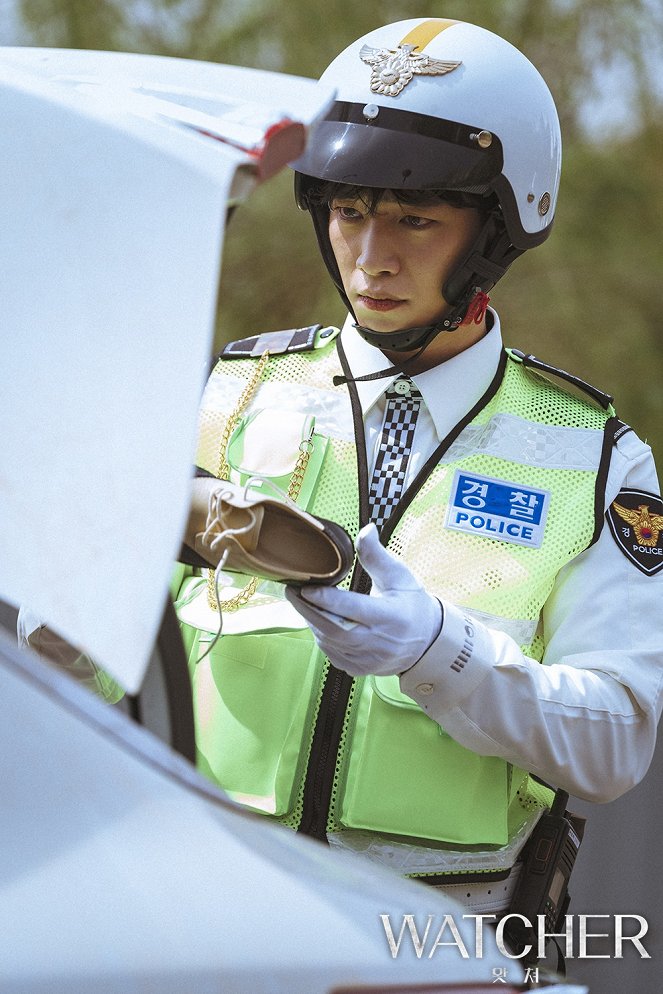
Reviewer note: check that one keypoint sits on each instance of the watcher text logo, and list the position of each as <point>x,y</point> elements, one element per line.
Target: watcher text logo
<point>428,936</point>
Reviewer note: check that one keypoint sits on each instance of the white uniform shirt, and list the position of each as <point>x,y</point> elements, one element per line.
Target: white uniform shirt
<point>586,720</point>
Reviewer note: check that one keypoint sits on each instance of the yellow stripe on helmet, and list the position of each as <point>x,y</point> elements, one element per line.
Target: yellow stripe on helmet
<point>426,31</point>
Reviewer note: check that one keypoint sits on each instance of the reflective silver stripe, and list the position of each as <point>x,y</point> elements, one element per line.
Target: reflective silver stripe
<point>509,437</point>
<point>408,858</point>
<point>331,408</point>
<point>521,630</point>
<point>222,393</point>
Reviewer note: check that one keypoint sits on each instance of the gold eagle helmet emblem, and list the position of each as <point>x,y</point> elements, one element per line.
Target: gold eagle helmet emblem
<point>647,527</point>
<point>392,69</point>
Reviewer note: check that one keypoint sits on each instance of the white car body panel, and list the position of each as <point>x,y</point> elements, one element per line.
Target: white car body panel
<point>112,228</point>
<point>123,871</point>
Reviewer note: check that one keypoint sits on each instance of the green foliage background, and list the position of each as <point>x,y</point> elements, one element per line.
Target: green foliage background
<point>587,300</point>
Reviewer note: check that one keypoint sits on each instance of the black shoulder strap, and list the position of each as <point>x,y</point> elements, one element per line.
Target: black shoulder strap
<point>278,342</point>
<point>604,399</point>
<point>614,430</point>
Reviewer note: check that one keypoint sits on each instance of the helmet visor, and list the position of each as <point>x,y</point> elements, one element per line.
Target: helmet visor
<point>377,146</point>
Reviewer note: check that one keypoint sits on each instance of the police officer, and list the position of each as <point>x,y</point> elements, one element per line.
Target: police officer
<point>502,625</point>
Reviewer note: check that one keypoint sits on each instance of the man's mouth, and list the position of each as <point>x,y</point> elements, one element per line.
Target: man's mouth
<point>378,303</point>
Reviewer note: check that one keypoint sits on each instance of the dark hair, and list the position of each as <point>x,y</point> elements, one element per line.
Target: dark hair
<point>323,193</point>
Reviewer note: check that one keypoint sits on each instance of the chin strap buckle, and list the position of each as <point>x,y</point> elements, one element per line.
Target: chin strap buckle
<point>476,312</point>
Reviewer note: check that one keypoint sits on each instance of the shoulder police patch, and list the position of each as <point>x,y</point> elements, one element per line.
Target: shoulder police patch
<point>635,519</point>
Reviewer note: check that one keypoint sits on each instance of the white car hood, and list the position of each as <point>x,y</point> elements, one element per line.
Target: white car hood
<point>123,870</point>
<point>113,197</point>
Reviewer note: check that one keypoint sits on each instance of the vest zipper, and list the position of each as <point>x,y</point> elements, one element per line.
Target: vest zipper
<point>330,721</point>
<point>318,786</point>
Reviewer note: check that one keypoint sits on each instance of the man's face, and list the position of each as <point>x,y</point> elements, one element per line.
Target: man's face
<point>395,260</point>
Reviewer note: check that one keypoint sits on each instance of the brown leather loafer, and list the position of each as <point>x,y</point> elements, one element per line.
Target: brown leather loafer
<point>262,536</point>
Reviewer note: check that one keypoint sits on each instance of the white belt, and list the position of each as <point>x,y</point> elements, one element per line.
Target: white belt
<point>492,897</point>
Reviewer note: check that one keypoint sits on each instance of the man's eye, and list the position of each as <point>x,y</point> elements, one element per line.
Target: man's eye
<point>415,221</point>
<point>347,213</point>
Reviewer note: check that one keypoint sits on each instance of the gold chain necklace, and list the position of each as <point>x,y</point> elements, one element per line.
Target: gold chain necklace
<point>223,473</point>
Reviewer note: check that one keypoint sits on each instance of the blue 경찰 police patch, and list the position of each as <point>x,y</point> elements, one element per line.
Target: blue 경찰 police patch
<point>508,512</point>
<point>635,519</point>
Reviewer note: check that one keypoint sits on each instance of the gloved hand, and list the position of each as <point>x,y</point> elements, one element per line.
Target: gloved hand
<point>383,634</point>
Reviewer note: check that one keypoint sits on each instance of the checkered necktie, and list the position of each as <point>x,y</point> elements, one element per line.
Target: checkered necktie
<point>400,418</point>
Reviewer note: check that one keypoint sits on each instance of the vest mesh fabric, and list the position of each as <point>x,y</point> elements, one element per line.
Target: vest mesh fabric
<point>337,485</point>
<point>498,578</point>
<point>493,575</point>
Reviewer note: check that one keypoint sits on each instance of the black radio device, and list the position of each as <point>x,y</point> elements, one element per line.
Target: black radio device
<point>543,883</point>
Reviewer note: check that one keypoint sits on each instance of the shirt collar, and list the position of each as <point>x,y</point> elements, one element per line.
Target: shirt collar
<point>449,390</point>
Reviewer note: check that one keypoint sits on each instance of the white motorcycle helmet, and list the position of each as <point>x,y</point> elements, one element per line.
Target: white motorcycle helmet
<point>440,105</point>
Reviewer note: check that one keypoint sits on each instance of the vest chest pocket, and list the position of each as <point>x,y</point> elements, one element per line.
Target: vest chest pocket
<point>252,697</point>
<point>406,776</point>
<point>281,446</point>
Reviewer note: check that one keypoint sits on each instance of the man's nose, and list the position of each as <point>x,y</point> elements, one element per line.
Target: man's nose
<point>376,251</point>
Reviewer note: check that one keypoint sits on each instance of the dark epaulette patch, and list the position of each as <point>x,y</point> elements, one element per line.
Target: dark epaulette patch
<point>621,429</point>
<point>276,342</point>
<point>604,399</point>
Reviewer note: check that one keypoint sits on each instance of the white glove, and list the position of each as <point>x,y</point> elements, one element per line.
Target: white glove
<point>382,634</point>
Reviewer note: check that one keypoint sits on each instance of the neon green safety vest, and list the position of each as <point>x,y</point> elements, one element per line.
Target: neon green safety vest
<point>288,734</point>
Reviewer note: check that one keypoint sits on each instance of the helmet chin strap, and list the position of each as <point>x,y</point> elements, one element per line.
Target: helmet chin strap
<point>405,340</point>
<point>413,338</point>
<point>470,309</point>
